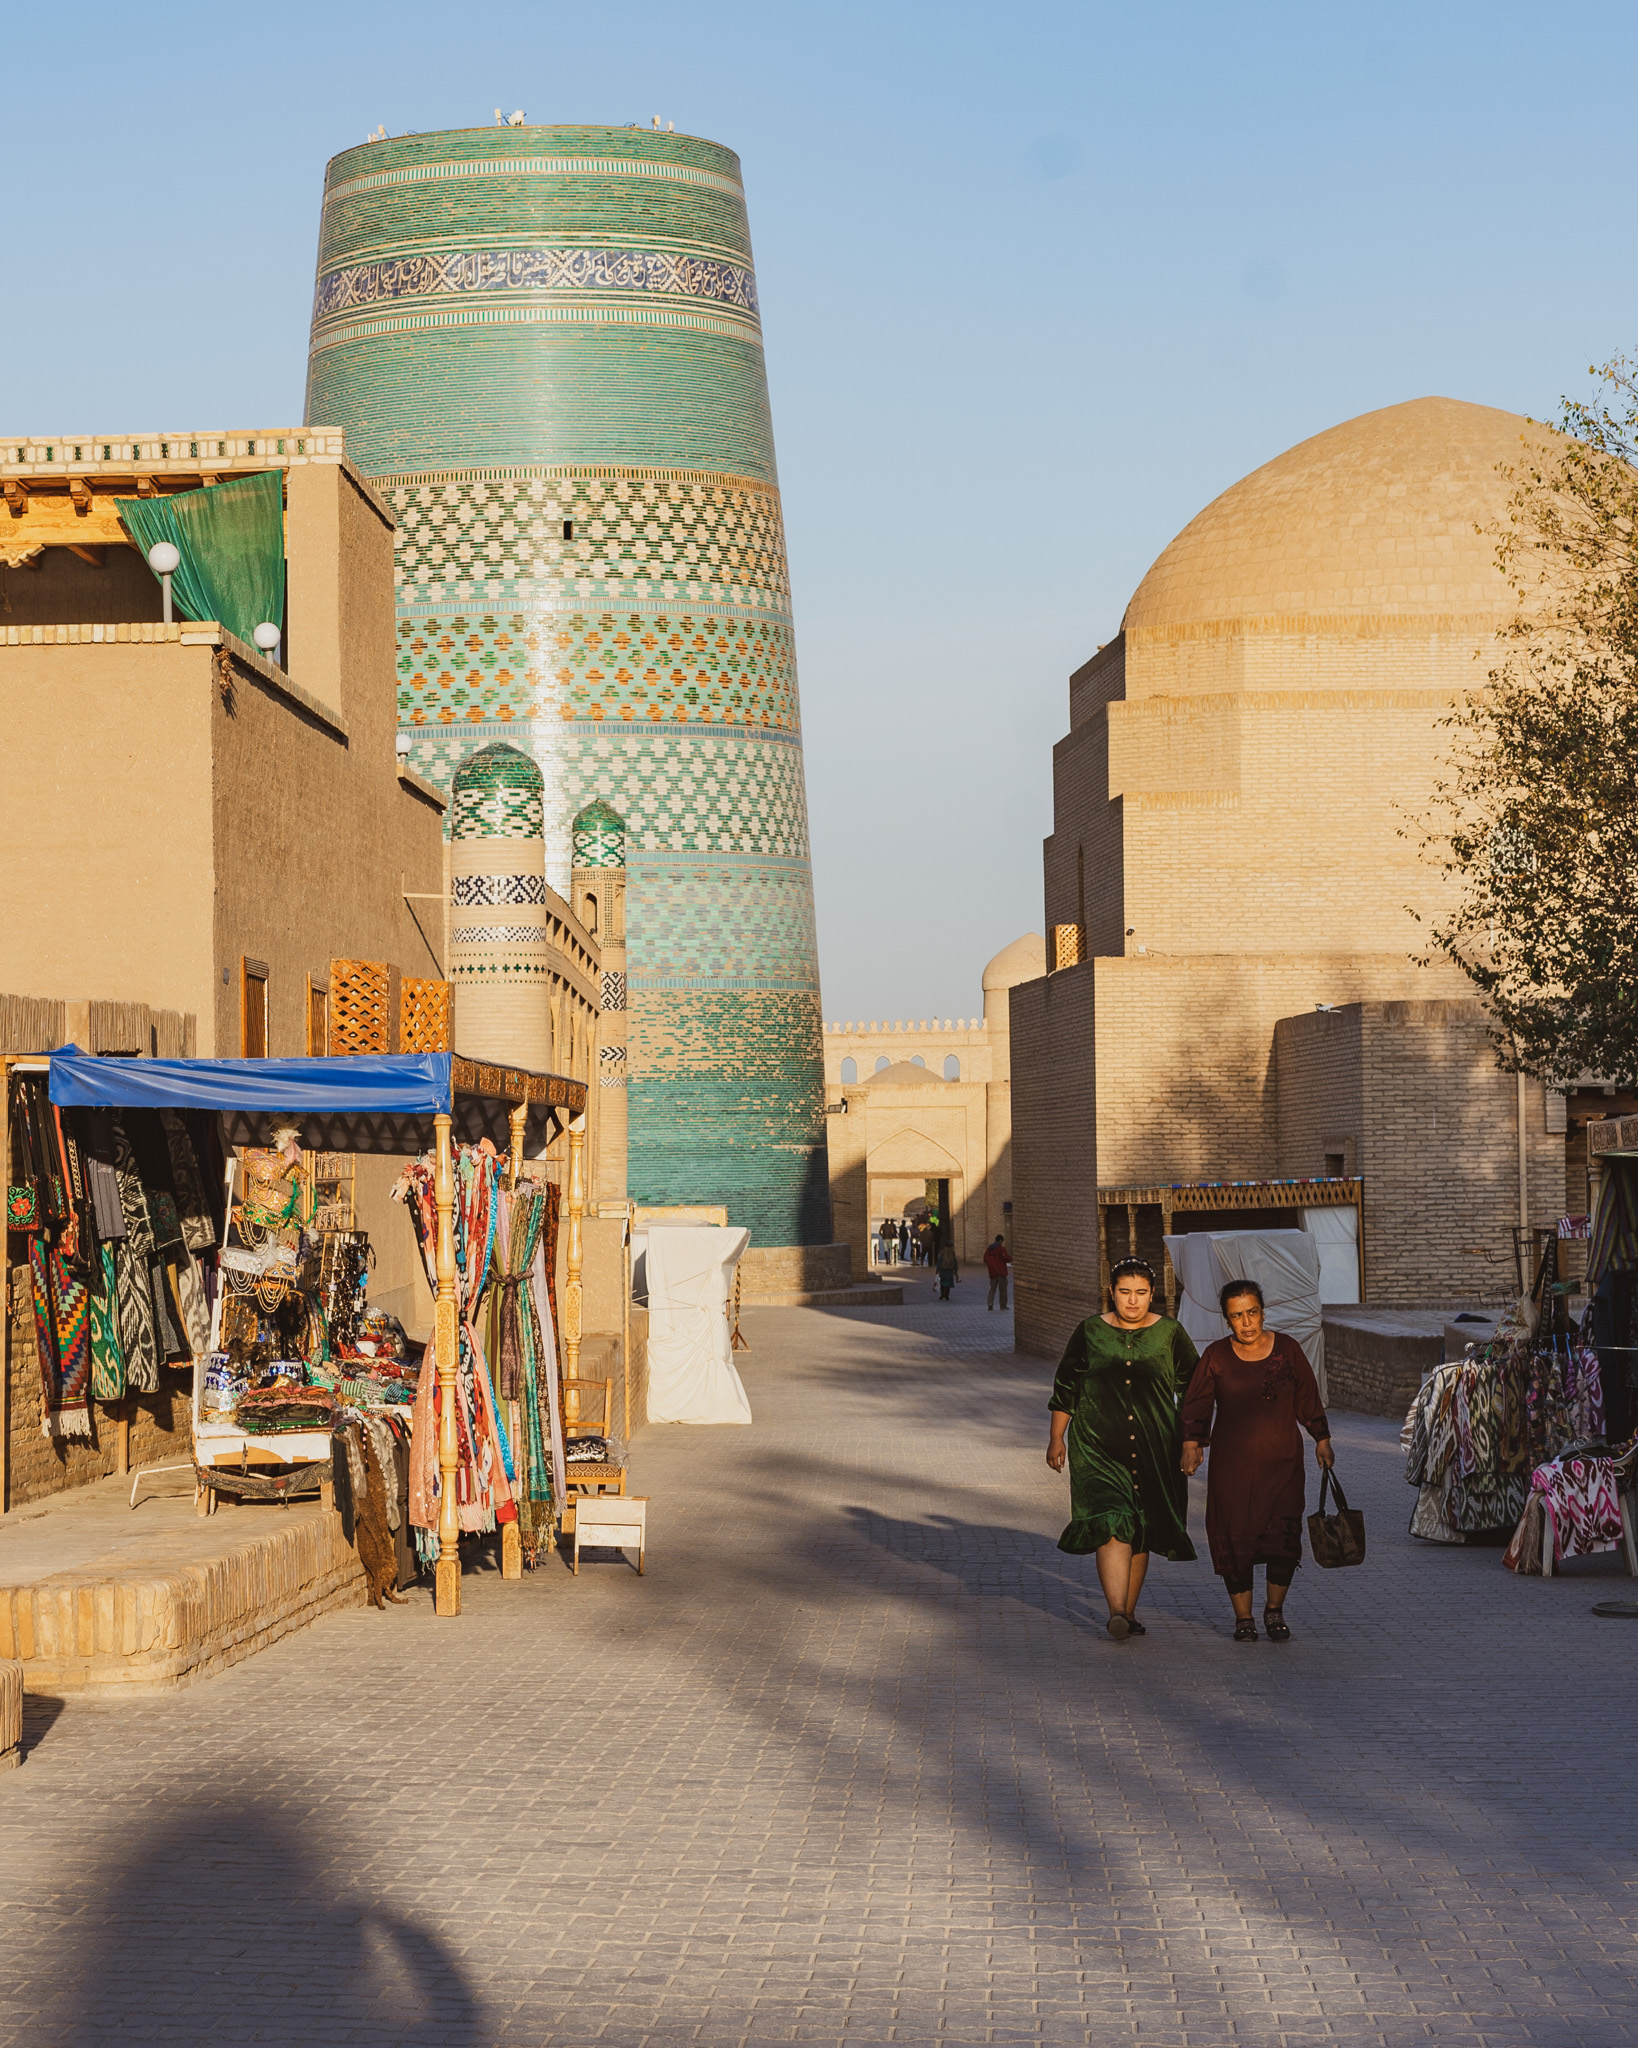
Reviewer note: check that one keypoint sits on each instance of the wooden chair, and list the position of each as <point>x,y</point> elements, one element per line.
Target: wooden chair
<point>615,1522</point>
<point>588,1410</point>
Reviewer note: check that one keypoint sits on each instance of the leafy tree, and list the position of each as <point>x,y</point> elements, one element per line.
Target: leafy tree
<point>1537,823</point>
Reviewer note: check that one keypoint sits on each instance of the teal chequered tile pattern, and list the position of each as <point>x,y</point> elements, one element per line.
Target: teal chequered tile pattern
<point>545,347</point>
<point>599,836</point>
<point>495,793</point>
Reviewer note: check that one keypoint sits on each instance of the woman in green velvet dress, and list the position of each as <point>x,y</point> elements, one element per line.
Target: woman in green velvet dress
<point>1114,1412</point>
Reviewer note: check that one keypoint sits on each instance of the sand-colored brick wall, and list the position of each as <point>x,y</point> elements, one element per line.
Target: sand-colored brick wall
<point>1440,1156</point>
<point>1055,1150</point>
<point>1319,1066</point>
<point>1434,1123</point>
<point>1084,858</point>
<point>1185,1086</point>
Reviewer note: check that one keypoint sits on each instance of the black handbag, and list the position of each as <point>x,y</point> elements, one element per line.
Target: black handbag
<point>1337,1539</point>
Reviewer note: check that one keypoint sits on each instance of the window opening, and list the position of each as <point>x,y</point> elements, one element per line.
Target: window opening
<point>850,1070</point>
<point>952,1068</point>
<point>253,1009</point>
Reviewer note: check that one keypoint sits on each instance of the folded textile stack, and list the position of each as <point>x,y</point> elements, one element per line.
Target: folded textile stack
<point>273,1410</point>
<point>588,1450</point>
<point>379,1385</point>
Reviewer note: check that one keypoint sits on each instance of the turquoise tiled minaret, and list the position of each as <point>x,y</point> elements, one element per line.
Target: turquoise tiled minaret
<point>544,346</point>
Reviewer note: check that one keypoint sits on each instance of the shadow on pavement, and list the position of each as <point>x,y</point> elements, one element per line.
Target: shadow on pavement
<point>230,1924</point>
<point>40,1714</point>
<point>975,1554</point>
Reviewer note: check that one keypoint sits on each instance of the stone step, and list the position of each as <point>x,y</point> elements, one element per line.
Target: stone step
<point>862,1294</point>
<point>159,1596</point>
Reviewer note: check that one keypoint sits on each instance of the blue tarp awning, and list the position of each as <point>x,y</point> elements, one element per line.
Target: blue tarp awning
<point>402,1084</point>
<point>382,1103</point>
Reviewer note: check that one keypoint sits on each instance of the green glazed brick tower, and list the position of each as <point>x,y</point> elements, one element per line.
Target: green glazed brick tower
<point>544,346</point>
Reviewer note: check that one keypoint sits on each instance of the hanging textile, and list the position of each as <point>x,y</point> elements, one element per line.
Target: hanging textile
<point>231,540</point>
<point>1466,1448</point>
<point>107,1353</point>
<point>1612,1239</point>
<point>1574,1507</point>
<point>62,1337</point>
<point>134,1307</point>
<point>484,1461</point>
<point>528,1365</point>
<point>193,1211</point>
<point>1482,1425</point>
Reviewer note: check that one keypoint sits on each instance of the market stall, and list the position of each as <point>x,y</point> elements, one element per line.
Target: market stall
<point>484,1223</point>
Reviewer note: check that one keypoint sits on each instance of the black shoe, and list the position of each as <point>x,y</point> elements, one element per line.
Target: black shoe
<point>1274,1626</point>
<point>1135,1625</point>
<point>1119,1627</point>
<point>1245,1631</point>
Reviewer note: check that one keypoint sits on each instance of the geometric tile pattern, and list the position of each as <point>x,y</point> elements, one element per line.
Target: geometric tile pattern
<point>693,793</point>
<point>599,837</point>
<point>548,379</point>
<point>614,992</point>
<point>497,934</point>
<point>474,891</point>
<point>496,794</point>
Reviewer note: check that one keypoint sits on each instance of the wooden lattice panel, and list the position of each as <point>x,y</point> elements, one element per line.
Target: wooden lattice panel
<point>426,1016</point>
<point>364,1001</point>
<point>1068,945</point>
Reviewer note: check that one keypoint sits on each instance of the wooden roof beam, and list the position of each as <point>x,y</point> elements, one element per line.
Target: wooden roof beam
<point>16,496</point>
<point>93,555</point>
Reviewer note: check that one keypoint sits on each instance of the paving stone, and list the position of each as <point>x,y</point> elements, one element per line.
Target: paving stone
<point>856,1763</point>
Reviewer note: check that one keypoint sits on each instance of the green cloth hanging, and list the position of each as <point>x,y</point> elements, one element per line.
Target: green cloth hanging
<point>231,540</point>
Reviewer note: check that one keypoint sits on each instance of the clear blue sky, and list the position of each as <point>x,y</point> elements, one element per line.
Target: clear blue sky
<point>1039,281</point>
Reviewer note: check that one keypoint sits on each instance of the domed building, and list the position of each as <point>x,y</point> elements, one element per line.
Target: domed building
<point>928,1118</point>
<point>1233,870</point>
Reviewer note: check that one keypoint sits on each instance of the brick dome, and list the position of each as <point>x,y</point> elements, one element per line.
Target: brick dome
<point>1371,519</point>
<point>1023,960</point>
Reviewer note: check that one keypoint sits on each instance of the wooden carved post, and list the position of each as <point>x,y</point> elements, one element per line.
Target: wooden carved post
<point>573,1292</point>
<point>516,1123</point>
<point>511,1534</point>
<point>446,1338</point>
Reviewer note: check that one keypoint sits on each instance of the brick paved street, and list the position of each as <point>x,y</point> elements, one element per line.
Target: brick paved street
<point>856,1763</point>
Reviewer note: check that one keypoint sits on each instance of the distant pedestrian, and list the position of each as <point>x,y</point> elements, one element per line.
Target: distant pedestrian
<point>1114,1415</point>
<point>948,1271</point>
<point>997,1259</point>
<point>904,1241</point>
<point>1260,1386</point>
<point>885,1241</point>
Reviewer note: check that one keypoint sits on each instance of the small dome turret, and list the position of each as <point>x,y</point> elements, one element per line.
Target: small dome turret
<point>599,836</point>
<point>497,793</point>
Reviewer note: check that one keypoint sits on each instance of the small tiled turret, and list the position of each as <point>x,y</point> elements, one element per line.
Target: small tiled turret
<point>498,920</point>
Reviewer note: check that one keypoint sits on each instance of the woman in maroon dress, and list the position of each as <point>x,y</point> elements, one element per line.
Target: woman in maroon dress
<point>1260,1386</point>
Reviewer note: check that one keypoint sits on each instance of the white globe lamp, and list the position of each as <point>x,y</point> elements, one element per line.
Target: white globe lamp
<point>266,637</point>
<point>165,559</point>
